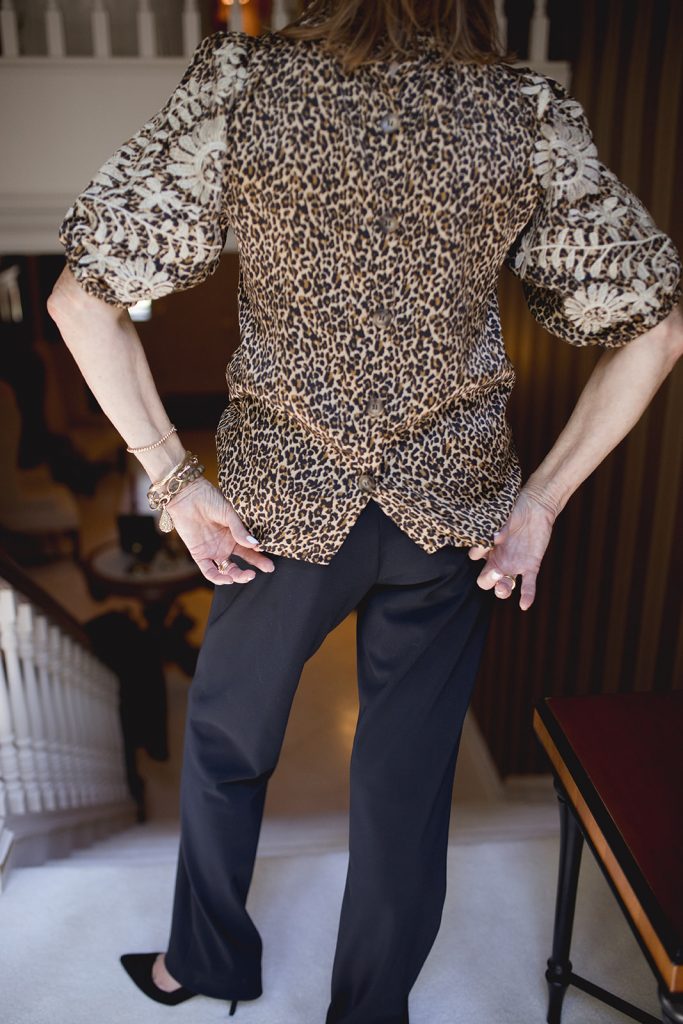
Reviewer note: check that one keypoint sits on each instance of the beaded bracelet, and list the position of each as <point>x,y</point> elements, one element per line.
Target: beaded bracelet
<point>147,447</point>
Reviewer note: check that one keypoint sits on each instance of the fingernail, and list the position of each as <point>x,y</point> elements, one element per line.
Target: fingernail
<point>495,575</point>
<point>252,540</point>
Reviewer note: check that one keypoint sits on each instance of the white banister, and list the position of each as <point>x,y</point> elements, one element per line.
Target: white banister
<point>100,29</point>
<point>9,34</point>
<point>77,738</point>
<point>13,790</point>
<point>279,16</point>
<point>62,762</point>
<point>539,37</point>
<point>54,30</point>
<point>147,33</point>
<point>502,21</point>
<point>23,739</point>
<point>70,738</point>
<point>55,754</point>
<point>236,23</point>
<point>35,706</point>
<point>192,27</point>
<point>62,715</point>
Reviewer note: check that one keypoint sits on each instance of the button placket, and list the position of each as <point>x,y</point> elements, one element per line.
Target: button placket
<point>384,218</point>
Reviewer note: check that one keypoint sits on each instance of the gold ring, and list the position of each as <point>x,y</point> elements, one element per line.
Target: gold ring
<point>223,566</point>
<point>507,576</point>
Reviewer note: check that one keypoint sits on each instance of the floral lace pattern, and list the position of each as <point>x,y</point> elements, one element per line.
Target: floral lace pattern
<point>595,268</point>
<point>152,219</point>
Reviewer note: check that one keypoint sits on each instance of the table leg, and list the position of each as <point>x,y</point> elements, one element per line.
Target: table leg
<point>559,968</point>
<point>672,1006</point>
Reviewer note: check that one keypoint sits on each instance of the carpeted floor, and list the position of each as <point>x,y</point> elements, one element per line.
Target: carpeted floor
<point>76,916</point>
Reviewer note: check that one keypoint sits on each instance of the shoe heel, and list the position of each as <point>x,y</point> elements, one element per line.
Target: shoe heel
<point>233,1007</point>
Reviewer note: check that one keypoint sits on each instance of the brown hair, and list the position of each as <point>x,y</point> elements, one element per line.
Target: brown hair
<point>362,31</point>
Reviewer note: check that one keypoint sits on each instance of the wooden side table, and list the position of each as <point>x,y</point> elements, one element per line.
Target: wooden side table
<point>156,585</point>
<point>617,763</point>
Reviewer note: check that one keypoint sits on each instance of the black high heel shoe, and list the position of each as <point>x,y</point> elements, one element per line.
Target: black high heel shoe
<point>138,966</point>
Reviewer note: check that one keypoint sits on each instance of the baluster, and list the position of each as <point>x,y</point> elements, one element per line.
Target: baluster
<point>54,30</point>
<point>63,718</point>
<point>72,701</point>
<point>279,16</point>
<point>147,36</point>
<point>100,29</point>
<point>51,719</point>
<point>540,32</point>
<point>26,644</point>
<point>23,739</point>
<point>9,33</point>
<point>14,796</point>
<point>502,22</point>
<point>192,27</point>
<point>89,699</point>
<point>75,724</point>
<point>236,23</point>
<point>108,729</point>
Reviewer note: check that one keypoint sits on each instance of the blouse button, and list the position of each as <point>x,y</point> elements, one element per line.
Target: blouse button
<point>381,317</point>
<point>366,482</point>
<point>375,407</point>
<point>390,123</point>
<point>388,222</point>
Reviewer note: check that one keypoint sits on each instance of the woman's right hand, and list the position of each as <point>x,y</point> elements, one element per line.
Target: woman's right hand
<point>211,530</point>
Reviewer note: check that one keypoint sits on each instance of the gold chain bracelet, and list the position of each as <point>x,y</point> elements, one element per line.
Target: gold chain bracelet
<point>161,492</point>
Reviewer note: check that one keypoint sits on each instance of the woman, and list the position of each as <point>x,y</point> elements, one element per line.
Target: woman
<point>378,164</point>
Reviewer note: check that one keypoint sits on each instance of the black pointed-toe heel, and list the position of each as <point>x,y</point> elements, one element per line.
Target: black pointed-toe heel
<point>139,967</point>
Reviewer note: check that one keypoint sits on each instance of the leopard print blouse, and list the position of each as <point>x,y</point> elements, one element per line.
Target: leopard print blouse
<point>373,211</point>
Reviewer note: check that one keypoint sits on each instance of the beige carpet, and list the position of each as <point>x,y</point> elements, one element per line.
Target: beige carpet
<point>63,926</point>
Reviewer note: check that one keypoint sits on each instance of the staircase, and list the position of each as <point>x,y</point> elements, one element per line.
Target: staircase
<point>63,926</point>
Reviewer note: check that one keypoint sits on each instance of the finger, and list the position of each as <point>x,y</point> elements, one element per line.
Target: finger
<point>503,589</point>
<point>478,551</point>
<point>237,528</point>
<point>490,575</point>
<point>255,558</point>
<point>527,591</point>
<point>232,574</point>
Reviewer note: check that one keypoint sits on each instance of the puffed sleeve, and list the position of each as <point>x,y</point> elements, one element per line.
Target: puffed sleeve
<point>152,220</point>
<point>595,267</point>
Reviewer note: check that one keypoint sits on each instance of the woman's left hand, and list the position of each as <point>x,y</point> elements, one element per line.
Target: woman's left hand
<point>518,548</point>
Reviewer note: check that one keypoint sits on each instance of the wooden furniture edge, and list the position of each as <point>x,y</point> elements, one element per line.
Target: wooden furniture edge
<point>672,973</point>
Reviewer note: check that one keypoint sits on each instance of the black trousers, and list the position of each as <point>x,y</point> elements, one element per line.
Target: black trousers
<point>421,626</point>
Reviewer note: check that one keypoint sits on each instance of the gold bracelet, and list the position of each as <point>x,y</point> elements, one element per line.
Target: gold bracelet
<point>161,492</point>
<point>146,447</point>
<point>158,485</point>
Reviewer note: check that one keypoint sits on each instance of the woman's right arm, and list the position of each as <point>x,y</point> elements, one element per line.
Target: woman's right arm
<point>105,344</point>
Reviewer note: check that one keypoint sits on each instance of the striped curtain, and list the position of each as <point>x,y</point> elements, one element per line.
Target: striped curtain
<point>607,614</point>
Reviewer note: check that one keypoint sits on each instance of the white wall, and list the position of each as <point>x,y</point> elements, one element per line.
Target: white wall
<point>59,121</point>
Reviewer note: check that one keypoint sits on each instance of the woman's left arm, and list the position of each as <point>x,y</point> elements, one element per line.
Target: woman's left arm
<point>621,386</point>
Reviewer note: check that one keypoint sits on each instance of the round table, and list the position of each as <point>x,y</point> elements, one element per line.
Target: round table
<point>155,583</point>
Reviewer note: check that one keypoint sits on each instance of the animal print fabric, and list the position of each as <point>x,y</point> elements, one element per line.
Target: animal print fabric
<point>373,212</point>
